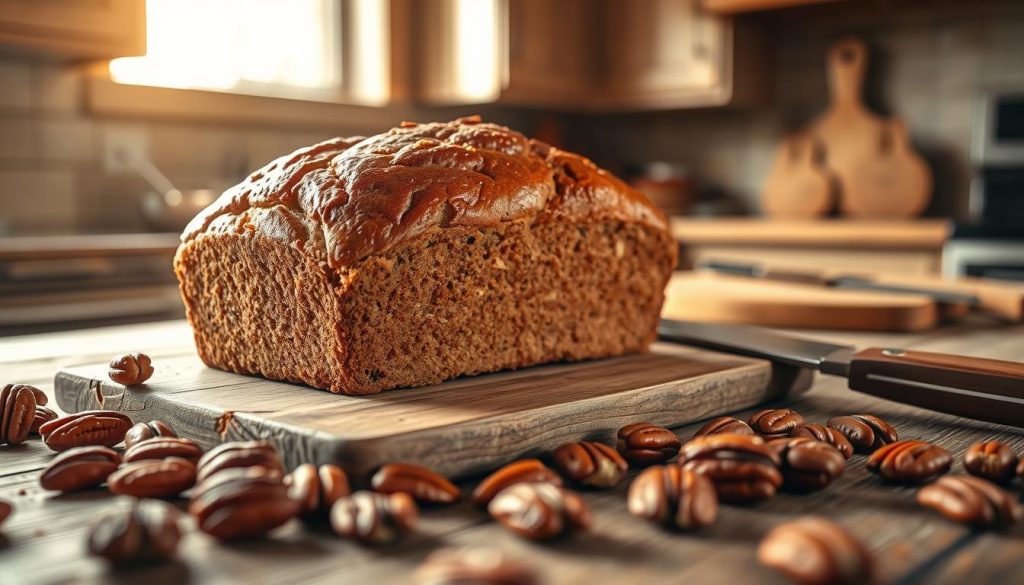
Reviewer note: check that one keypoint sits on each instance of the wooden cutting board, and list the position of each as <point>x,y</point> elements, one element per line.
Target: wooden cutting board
<point>725,299</point>
<point>879,174</point>
<point>461,427</point>
<point>799,185</point>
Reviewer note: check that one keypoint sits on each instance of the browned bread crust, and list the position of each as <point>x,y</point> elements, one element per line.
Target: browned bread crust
<point>420,254</point>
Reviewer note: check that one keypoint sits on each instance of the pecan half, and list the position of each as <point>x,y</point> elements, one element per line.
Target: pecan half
<point>90,427</point>
<point>815,551</point>
<point>162,448</point>
<point>725,425</point>
<point>539,511</point>
<point>153,478</point>
<point>479,566</point>
<point>145,531</point>
<point>40,396</point>
<point>239,454</point>
<point>241,503</point>
<point>521,471</point>
<point>673,496</point>
<point>909,461</point>
<point>993,460</point>
<point>79,468</point>
<point>17,412</point>
<point>971,500</point>
<point>591,463</point>
<point>742,467</point>
<point>807,464</point>
<point>5,511</point>
<point>423,484</point>
<point>775,422</point>
<point>144,431</point>
<point>374,518</point>
<point>317,488</point>
<point>43,416</point>
<point>866,432</point>
<point>130,369</point>
<point>643,444</point>
<point>823,433</point>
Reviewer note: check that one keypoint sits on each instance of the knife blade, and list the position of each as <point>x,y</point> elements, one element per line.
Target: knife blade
<point>847,281</point>
<point>978,388</point>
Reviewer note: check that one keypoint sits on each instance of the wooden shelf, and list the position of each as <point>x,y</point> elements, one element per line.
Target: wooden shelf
<point>838,233</point>
<point>741,6</point>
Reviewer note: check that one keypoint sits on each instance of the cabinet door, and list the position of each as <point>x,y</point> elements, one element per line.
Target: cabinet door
<point>75,28</point>
<point>552,53</point>
<point>666,53</point>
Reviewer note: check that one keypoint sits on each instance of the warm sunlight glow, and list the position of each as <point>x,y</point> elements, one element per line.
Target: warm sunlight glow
<point>244,45</point>
<point>478,63</point>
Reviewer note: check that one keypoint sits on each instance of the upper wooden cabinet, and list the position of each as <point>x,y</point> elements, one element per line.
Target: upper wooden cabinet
<point>585,54</point>
<point>76,29</point>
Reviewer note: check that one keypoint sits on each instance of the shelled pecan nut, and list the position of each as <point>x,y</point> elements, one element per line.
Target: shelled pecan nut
<point>590,463</point>
<point>673,496</point>
<point>992,460</point>
<point>423,484</point>
<point>162,448</point>
<point>130,369</point>
<point>5,511</point>
<point>374,518</point>
<point>971,500</point>
<point>865,432</point>
<point>147,530</point>
<point>90,427</point>
<point>807,464</point>
<point>909,461</point>
<point>725,425</point>
<point>742,467</point>
<point>144,431</point>
<point>79,468</point>
<point>474,566</point>
<point>775,422</point>
<point>241,503</point>
<point>316,488</point>
<point>43,415</point>
<point>644,444</point>
<point>815,551</point>
<point>539,511</point>
<point>17,413</point>
<point>153,478</point>
<point>823,433</point>
<point>239,454</point>
<point>41,398</point>
<point>521,471</point>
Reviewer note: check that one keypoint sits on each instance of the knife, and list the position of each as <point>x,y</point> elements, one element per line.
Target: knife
<point>978,388</point>
<point>847,281</point>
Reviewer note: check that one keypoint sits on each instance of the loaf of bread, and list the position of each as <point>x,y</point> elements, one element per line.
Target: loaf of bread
<point>421,254</point>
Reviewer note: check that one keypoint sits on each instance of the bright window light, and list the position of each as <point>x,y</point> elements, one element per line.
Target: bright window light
<point>248,46</point>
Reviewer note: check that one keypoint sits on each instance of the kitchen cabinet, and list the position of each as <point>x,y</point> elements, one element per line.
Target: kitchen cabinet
<point>74,29</point>
<point>667,54</point>
<point>596,55</point>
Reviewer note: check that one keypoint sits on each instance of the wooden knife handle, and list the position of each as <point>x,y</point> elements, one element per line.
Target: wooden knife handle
<point>978,388</point>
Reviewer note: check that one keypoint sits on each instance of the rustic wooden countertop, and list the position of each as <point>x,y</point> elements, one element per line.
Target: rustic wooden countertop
<point>44,540</point>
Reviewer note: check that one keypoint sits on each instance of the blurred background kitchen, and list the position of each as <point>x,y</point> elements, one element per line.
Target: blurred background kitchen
<point>843,137</point>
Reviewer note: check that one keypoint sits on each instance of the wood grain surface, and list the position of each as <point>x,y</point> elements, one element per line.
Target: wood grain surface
<point>43,541</point>
<point>459,427</point>
<point>705,296</point>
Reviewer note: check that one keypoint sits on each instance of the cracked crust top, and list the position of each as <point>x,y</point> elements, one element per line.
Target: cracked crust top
<point>353,197</point>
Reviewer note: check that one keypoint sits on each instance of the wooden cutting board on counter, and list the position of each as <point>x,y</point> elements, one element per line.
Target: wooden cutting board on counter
<point>460,427</point>
<point>699,296</point>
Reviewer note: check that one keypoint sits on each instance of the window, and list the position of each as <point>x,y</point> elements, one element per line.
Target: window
<point>278,48</point>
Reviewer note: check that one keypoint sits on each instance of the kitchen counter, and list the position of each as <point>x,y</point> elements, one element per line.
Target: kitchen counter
<point>44,540</point>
